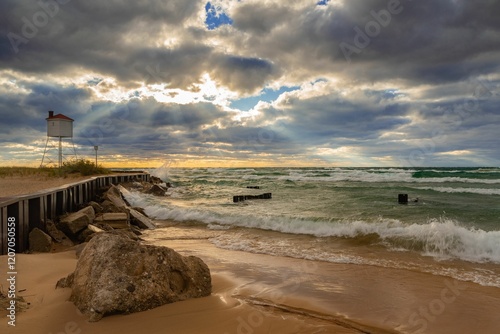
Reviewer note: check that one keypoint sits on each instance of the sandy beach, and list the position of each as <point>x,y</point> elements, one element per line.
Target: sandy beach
<point>21,185</point>
<point>254,293</point>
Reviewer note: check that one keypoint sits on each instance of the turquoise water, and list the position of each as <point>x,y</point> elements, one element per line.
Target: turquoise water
<point>341,214</point>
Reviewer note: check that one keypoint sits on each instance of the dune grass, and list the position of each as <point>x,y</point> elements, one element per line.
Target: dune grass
<point>71,168</point>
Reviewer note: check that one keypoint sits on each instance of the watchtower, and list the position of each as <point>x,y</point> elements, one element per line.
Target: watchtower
<point>58,126</point>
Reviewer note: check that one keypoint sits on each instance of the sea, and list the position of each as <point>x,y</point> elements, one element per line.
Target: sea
<point>450,226</point>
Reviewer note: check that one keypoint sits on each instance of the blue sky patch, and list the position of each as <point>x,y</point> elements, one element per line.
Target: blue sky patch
<point>215,17</point>
<point>322,2</point>
<point>266,95</point>
<point>387,94</point>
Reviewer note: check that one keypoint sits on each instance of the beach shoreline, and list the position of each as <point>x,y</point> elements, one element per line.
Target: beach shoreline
<point>222,312</point>
<point>257,293</point>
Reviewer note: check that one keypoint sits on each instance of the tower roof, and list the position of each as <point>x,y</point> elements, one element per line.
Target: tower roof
<point>60,116</point>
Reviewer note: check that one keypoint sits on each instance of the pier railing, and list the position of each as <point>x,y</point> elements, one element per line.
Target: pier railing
<point>21,214</point>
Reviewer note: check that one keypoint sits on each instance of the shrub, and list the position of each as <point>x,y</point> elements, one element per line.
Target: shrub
<point>82,166</point>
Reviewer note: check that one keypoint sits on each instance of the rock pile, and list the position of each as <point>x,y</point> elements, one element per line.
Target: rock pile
<point>111,214</point>
<point>156,187</point>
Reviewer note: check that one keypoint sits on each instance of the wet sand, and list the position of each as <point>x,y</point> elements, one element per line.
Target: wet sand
<point>254,293</point>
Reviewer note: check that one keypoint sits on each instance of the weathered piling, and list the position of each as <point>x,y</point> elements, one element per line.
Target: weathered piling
<point>240,198</point>
<point>403,198</point>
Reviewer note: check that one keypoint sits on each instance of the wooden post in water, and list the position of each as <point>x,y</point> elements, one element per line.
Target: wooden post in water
<point>403,198</point>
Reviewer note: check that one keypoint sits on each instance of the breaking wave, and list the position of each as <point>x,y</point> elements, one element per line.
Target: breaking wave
<point>441,238</point>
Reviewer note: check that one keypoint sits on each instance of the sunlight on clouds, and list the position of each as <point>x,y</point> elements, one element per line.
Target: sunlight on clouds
<point>9,83</point>
<point>106,88</point>
<point>394,136</point>
<point>456,153</point>
<point>341,151</point>
<point>171,42</point>
<point>206,91</point>
<point>310,90</point>
<point>387,160</point>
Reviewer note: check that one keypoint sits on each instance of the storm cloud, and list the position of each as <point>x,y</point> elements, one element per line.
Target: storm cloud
<point>392,82</point>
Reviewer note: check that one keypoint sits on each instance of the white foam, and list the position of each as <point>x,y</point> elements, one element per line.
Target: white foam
<point>241,242</point>
<point>327,175</point>
<point>371,177</point>
<point>442,238</point>
<point>482,191</point>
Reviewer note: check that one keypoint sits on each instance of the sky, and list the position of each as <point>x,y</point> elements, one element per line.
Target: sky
<point>235,83</point>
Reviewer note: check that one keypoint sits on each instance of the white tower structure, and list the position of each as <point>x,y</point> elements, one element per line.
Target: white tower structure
<point>58,126</point>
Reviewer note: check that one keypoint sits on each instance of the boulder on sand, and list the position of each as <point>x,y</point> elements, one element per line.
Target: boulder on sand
<point>116,275</point>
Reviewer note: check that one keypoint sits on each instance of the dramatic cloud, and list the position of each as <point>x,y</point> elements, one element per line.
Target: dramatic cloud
<point>254,82</point>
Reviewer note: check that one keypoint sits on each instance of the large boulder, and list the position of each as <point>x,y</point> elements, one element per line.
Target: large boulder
<point>39,241</point>
<point>76,222</point>
<point>116,275</point>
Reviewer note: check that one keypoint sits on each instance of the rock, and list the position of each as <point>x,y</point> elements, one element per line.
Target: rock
<point>95,229</point>
<point>66,282</point>
<point>57,234</point>
<point>77,221</point>
<point>129,233</point>
<point>115,275</point>
<point>79,248</point>
<point>141,210</point>
<point>108,207</point>
<point>85,235</point>
<point>157,190</point>
<point>156,180</point>
<point>114,196</point>
<point>136,230</point>
<point>137,185</point>
<point>104,227</point>
<point>97,207</point>
<point>115,220</point>
<point>140,220</point>
<point>39,241</point>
